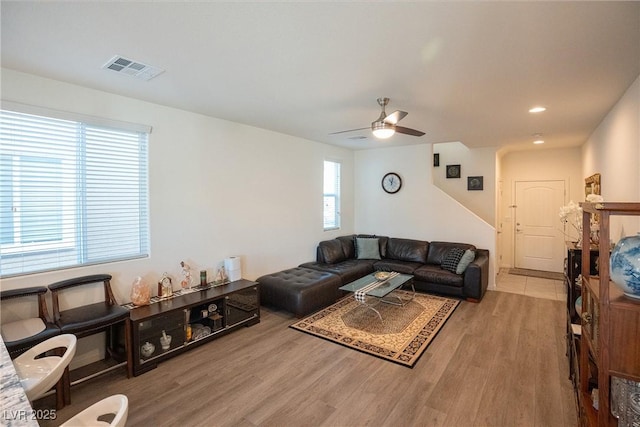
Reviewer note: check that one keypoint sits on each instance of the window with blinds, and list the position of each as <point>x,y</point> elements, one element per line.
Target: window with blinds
<point>331,212</point>
<point>71,193</point>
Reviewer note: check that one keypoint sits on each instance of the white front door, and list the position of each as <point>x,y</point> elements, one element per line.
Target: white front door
<point>538,230</point>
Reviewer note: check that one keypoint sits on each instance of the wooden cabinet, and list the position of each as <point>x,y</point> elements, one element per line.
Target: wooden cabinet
<point>190,320</point>
<point>572,272</point>
<point>610,343</point>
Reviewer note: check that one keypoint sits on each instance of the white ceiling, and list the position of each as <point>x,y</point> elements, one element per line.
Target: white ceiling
<point>465,71</point>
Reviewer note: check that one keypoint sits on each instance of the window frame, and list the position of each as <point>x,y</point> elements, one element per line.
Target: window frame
<point>335,195</point>
<point>81,242</point>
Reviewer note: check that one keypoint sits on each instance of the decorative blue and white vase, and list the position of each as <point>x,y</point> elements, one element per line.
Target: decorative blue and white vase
<point>625,265</point>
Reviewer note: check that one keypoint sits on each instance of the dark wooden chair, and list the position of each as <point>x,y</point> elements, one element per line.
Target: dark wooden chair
<point>90,319</point>
<point>20,335</point>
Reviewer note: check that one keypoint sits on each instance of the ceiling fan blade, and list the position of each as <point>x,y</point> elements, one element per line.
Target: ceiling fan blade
<point>407,131</point>
<point>350,130</point>
<point>395,117</point>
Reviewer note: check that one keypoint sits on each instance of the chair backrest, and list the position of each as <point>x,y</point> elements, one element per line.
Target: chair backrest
<point>39,374</point>
<point>116,405</point>
<point>40,291</point>
<point>57,287</point>
<point>21,328</point>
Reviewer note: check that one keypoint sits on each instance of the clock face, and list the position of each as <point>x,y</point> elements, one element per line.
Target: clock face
<point>391,183</point>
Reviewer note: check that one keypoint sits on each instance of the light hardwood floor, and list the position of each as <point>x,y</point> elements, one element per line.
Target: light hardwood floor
<point>531,286</point>
<point>497,363</point>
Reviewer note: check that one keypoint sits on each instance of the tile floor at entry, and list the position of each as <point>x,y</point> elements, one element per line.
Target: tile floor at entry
<point>531,286</point>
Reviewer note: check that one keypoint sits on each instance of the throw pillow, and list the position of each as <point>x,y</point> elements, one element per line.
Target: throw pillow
<point>451,259</point>
<point>367,248</point>
<point>466,259</point>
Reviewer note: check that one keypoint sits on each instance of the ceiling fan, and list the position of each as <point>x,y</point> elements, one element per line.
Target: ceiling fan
<point>386,125</point>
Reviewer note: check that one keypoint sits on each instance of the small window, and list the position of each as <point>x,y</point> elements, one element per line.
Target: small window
<point>331,195</point>
<point>71,194</point>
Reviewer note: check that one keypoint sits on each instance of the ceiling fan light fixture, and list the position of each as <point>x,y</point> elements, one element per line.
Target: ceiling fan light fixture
<point>382,130</point>
<point>537,109</point>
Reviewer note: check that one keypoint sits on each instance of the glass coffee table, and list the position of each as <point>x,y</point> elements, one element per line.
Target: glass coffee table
<point>370,290</point>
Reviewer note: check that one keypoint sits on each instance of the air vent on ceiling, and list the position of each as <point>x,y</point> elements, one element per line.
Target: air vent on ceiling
<point>132,68</point>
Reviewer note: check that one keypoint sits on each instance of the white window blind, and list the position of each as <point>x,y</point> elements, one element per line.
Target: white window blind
<point>71,194</point>
<point>331,212</point>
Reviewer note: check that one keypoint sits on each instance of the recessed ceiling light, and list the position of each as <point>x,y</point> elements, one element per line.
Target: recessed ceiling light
<point>538,141</point>
<point>537,109</point>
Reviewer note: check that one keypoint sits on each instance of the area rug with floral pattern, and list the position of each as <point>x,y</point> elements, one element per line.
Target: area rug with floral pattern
<point>401,336</point>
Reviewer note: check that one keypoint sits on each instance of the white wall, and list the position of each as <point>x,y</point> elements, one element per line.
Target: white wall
<point>532,165</point>
<point>217,189</point>
<point>419,210</point>
<point>613,150</point>
<point>473,162</point>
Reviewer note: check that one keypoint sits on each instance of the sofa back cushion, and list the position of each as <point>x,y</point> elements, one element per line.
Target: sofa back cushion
<point>437,250</point>
<point>407,250</point>
<point>348,246</point>
<point>330,252</point>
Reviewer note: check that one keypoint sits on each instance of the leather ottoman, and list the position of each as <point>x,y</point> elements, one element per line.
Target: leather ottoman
<point>299,290</point>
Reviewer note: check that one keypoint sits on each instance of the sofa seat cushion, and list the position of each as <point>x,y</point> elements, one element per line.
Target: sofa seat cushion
<point>397,266</point>
<point>87,319</point>
<point>435,274</point>
<point>407,250</point>
<point>20,337</point>
<point>348,270</point>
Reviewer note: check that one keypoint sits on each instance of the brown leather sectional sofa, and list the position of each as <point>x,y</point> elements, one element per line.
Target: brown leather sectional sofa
<point>314,285</point>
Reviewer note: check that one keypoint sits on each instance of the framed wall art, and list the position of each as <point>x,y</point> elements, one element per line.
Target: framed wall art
<point>436,159</point>
<point>453,171</point>
<point>475,183</point>
<point>592,185</point>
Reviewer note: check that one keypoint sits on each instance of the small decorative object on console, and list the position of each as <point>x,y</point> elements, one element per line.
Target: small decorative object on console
<point>165,340</point>
<point>147,349</point>
<point>140,292</point>
<point>625,265</point>
<point>221,277</point>
<point>186,275</point>
<point>203,277</point>
<point>165,287</point>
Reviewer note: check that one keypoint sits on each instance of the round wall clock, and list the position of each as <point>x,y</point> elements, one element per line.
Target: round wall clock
<point>391,183</point>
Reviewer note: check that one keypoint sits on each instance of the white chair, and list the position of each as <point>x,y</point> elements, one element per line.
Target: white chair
<point>116,405</point>
<point>38,375</point>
